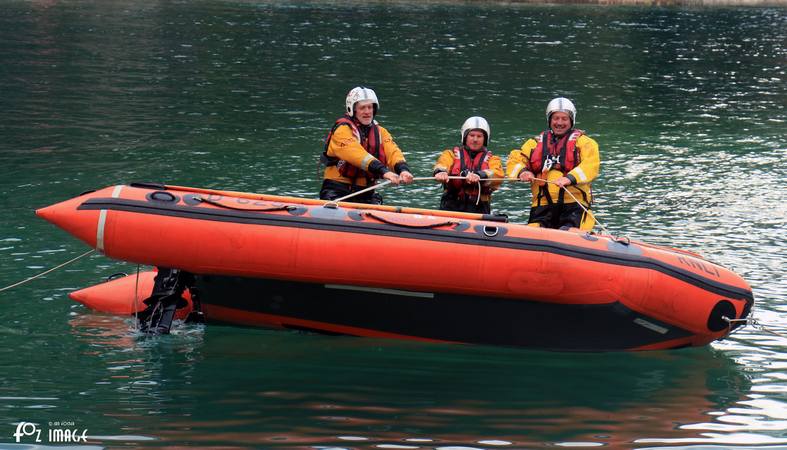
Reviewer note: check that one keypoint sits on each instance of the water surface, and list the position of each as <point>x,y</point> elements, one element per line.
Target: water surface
<point>688,106</point>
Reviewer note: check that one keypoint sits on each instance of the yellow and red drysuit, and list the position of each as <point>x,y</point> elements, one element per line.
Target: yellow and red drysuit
<point>460,196</point>
<point>355,156</point>
<point>573,155</point>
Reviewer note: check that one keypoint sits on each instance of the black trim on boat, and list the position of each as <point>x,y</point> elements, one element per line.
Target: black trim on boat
<point>629,259</point>
<point>148,185</point>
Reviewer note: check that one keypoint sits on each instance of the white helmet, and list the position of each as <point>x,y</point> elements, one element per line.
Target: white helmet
<point>476,123</point>
<point>562,104</point>
<point>359,94</point>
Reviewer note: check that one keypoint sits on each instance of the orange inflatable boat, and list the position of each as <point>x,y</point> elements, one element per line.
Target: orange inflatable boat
<point>384,271</point>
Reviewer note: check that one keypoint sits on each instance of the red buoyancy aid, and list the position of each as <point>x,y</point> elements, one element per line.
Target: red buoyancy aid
<point>372,143</point>
<point>464,161</point>
<point>563,153</point>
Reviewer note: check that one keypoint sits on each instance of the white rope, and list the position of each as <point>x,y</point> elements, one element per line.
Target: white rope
<point>48,271</point>
<point>451,177</point>
<point>454,177</point>
<point>387,182</point>
<point>603,228</point>
<point>754,323</point>
<point>134,301</point>
<point>600,224</point>
<point>334,203</point>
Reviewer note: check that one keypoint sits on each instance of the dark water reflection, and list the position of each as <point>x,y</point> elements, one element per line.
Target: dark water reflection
<point>686,103</point>
<point>290,389</point>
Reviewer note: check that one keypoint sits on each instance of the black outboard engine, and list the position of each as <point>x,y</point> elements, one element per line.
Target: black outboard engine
<point>165,299</point>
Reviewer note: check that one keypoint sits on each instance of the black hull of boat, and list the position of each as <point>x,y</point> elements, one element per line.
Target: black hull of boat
<point>441,317</point>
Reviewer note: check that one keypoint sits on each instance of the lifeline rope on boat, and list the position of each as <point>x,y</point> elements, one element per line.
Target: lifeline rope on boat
<point>603,228</point>
<point>334,203</point>
<point>47,271</point>
<point>262,209</point>
<point>455,177</point>
<point>600,224</point>
<point>623,240</point>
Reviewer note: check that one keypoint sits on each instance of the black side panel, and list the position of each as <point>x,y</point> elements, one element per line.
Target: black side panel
<point>445,317</point>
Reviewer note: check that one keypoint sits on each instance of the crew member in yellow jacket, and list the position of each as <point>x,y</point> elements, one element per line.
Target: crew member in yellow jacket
<point>567,158</point>
<point>473,161</point>
<point>358,152</point>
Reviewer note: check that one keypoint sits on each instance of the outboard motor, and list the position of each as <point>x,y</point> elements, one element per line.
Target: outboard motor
<point>165,299</point>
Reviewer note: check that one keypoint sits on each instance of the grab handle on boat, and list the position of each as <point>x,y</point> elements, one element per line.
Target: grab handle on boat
<point>409,225</point>
<point>237,208</point>
<point>625,240</point>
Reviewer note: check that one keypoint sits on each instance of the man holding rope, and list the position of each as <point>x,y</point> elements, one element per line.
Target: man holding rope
<point>358,152</point>
<point>465,170</point>
<point>560,163</point>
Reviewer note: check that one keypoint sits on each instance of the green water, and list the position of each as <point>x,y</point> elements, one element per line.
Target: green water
<point>688,106</point>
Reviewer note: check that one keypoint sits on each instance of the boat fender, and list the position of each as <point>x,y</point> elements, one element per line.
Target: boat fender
<point>723,309</point>
<point>491,231</point>
<point>162,197</point>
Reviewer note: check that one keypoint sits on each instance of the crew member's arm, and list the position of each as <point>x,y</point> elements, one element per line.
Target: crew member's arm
<point>444,163</point>
<point>518,165</point>
<point>495,171</point>
<point>588,169</point>
<point>395,157</point>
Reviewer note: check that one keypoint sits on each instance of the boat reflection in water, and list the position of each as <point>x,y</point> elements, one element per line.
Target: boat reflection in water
<point>272,389</point>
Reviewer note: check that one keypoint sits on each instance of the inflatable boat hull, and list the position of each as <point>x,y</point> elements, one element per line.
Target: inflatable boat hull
<point>415,274</point>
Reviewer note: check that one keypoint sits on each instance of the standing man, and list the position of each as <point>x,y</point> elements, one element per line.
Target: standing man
<point>358,152</point>
<point>476,163</point>
<point>569,160</point>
